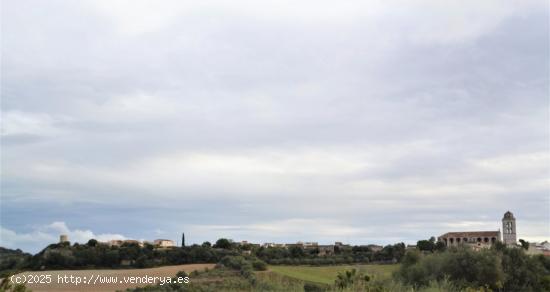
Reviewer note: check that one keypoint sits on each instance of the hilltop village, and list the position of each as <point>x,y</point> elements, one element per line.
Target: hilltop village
<point>476,240</point>
<point>492,257</point>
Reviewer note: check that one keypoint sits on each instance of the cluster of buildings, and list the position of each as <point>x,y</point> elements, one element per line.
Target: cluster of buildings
<point>159,243</point>
<point>485,239</point>
<point>542,248</point>
<point>323,249</point>
<point>155,243</point>
<point>475,239</point>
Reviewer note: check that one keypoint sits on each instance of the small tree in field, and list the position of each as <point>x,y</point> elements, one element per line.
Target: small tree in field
<point>223,243</point>
<point>524,244</point>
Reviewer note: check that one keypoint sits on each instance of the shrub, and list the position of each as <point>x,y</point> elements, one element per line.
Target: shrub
<point>508,269</point>
<point>259,265</point>
<point>181,274</point>
<point>311,287</point>
<point>235,262</point>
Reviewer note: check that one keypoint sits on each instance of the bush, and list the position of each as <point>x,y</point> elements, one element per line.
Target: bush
<point>235,262</point>
<point>181,274</point>
<point>223,243</point>
<point>508,269</point>
<point>311,287</point>
<point>259,265</point>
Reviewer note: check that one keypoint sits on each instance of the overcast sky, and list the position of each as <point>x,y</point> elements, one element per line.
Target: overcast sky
<point>355,121</point>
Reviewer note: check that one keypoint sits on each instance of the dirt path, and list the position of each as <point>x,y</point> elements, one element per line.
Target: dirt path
<point>121,283</point>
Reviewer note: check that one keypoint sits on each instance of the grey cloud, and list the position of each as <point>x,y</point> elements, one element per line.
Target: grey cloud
<point>360,112</point>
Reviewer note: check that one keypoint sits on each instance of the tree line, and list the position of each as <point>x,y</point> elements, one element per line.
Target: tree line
<point>498,268</point>
<point>94,254</point>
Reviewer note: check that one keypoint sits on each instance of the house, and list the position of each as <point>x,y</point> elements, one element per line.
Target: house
<point>339,246</point>
<point>114,242</point>
<point>131,241</point>
<point>118,242</point>
<point>545,245</point>
<point>249,244</point>
<point>375,248</point>
<point>272,244</point>
<point>310,244</point>
<point>539,248</point>
<point>164,243</point>
<point>326,249</point>
<point>298,244</point>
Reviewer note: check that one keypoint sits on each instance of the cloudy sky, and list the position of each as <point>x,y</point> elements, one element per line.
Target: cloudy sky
<point>355,121</point>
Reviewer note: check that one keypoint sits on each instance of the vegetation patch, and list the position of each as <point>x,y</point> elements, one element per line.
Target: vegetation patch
<point>328,274</point>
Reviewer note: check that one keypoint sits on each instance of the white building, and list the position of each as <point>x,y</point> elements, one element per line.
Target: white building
<point>164,243</point>
<point>539,248</point>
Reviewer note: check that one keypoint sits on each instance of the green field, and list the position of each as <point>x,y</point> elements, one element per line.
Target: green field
<point>327,274</point>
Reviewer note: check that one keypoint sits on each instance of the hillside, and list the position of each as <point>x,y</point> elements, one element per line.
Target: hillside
<point>12,260</point>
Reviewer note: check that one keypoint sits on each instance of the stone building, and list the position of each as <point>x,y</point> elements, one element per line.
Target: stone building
<point>63,238</point>
<point>325,249</point>
<point>118,242</point>
<point>509,229</point>
<point>475,238</point>
<point>482,239</point>
<point>375,248</point>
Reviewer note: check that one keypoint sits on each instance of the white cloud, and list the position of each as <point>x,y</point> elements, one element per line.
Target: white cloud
<point>40,236</point>
<point>472,225</point>
<point>425,22</point>
<point>34,240</point>
<point>257,172</point>
<point>131,108</point>
<point>437,22</point>
<point>351,172</point>
<point>341,106</point>
<point>25,123</point>
<point>522,164</point>
<point>294,228</point>
<point>137,17</point>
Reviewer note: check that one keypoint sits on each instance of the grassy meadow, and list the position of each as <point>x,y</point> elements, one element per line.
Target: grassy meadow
<point>327,274</point>
<point>277,278</point>
<point>166,271</point>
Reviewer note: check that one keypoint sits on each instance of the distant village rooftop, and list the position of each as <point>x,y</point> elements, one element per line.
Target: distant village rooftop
<point>472,234</point>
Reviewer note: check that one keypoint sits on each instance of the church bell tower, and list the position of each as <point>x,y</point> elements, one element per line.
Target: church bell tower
<point>509,229</point>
